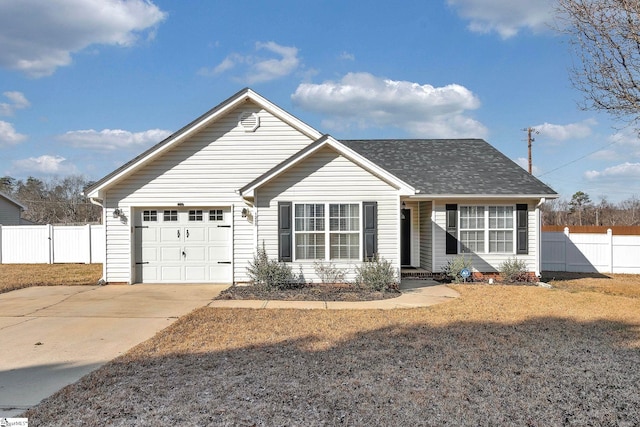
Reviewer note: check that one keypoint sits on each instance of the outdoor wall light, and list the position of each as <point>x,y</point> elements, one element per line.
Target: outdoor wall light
<point>117,213</point>
<point>180,204</point>
<point>245,212</point>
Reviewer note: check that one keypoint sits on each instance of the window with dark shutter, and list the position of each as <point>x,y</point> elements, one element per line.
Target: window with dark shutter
<point>284,232</point>
<point>452,229</point>
<point>370,220</point>
<point>522,229</point>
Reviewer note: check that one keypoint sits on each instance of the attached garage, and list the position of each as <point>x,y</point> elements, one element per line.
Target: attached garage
<point>183,245</point>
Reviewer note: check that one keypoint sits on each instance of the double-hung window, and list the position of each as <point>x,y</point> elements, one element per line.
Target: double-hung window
<point>314,240</point>
<point>344,228</point>
<point>501,229</point>
<point>487,229</point>
<point>309,231</point>
<point>472,229</point>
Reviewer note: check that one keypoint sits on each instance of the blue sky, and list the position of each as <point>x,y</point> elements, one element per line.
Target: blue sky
<point>87,85</point>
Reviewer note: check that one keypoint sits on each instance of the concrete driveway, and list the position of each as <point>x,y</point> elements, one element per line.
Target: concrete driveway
<point>52,336</point>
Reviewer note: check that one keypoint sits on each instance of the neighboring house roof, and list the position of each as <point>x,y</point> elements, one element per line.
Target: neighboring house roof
<point>451,167</point>
<point>207,118</point>
<point>324,141</point>
<point>12,200</point>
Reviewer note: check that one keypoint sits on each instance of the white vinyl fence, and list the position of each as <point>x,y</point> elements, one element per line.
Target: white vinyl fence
<point>590,252</point>
<point>50,244</point>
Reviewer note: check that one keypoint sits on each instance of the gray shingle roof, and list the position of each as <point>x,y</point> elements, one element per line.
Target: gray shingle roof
<point>450,166</point>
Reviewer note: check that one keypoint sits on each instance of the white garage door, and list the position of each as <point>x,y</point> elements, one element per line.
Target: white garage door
<point>183,245</point>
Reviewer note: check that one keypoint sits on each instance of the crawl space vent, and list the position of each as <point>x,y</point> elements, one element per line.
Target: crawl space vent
<point>249,121</point>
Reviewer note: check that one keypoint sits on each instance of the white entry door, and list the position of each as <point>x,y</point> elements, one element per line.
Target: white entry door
<point>183,245</point>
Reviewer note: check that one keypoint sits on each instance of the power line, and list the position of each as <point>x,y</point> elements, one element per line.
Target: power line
<point>578,159</point>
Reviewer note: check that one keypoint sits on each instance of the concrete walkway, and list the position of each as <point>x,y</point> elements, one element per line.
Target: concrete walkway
<point>52,336</point>
<point>415,293</point>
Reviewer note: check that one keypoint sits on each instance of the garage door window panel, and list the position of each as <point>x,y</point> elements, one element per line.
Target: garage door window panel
<point>195,215</point>
<point>216,215</point>
<point>150,216</point>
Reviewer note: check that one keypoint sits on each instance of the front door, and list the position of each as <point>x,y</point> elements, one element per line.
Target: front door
<point>405,237</point>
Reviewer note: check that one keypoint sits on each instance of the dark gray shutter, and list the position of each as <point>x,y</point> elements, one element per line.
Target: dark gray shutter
<point>285,232</point>
<point>452,229</point>
<point>370,220</point>
<point>522,229</point>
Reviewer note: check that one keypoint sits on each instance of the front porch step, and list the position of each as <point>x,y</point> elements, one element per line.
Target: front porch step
<point>418,273</point>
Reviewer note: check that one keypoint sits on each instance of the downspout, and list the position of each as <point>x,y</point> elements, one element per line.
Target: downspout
<point>538,270</point>
<point>104,224</point>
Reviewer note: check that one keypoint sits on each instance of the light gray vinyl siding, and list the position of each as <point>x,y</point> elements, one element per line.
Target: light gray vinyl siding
<point>426,252</point>
<point>327,177</point>
<point>9,212</point>
<point>205,170</point>
<point>118,244</point>
<point>483,262</point>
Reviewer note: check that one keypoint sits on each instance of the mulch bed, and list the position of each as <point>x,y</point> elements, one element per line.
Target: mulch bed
<point>308,292</point>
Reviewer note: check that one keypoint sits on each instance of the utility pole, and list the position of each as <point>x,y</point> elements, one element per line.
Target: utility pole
<point>530,139</point>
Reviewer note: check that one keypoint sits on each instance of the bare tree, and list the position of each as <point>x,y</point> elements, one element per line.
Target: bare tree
<point>581,211</point>
<point>55,201</point>
<point>605,36</point>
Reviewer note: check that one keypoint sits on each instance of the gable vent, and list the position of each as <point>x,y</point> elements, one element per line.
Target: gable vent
<point>249,121</point>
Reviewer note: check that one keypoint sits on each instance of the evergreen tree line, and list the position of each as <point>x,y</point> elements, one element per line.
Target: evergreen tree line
<point>53,201</point>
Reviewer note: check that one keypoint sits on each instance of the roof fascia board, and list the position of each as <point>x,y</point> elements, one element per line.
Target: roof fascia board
<point>202,121</point>
<point>482,196</point>
<point>327,140</point>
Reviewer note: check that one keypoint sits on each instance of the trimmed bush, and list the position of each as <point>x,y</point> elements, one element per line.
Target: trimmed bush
<point>270,273</point>
<point>454,266</point>
<point>328,273</point>
<point>514,270</point>
<point>377,274</point>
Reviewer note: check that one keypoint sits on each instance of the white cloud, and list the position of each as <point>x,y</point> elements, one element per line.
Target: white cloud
<point>260,69</point>
<point>37,37</point>
<point>564,132</point>
<point>347,56</point>
<point>523,162</point>
<point>44,164</point>
<point>367,101</point>
<point>623,170</point>
<point>627,137</point>
<point>112,139</point>
<point>271,69</point>
<point>506,17</point>
<point>17,102</point>
<point>8,135</point>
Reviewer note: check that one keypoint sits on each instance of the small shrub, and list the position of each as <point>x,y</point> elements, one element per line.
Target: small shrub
<point>514,270</point>
<point>377,274</point>
<point>270,273</point>
<point>328,273</point>
<point>454,266</point>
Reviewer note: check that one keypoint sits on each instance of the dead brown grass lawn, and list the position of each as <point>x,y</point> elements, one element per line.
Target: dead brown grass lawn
<point>496,356</point>
<point>17,276</point>
<point>612,284</point>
